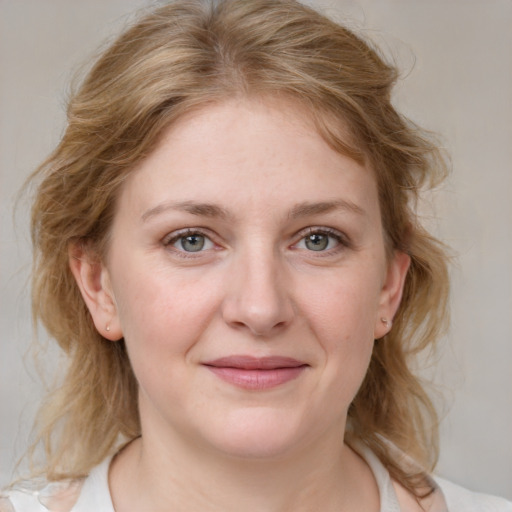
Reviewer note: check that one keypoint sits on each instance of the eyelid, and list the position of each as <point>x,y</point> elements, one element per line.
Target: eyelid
<point>171,238</point>
<point>342,239</point>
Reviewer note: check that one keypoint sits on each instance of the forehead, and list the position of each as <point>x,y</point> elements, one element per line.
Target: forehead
<point>247,152</point>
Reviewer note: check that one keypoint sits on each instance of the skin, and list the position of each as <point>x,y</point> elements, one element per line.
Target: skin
<point>256,180</point>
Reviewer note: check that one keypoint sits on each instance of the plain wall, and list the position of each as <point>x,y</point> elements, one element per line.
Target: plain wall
<point>457,80</point>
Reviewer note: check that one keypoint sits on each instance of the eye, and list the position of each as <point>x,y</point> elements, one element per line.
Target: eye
<point>189,241</point>
<point>319,240</point>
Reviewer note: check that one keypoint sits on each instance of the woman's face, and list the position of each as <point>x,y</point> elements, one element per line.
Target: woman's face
<point>248,275</point>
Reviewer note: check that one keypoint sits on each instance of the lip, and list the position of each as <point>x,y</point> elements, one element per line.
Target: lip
<point>256,373</point>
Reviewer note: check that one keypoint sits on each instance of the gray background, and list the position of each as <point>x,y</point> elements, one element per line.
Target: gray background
<point>457,69</point>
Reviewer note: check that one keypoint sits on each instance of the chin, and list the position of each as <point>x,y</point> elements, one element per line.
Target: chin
<point>256,434</point>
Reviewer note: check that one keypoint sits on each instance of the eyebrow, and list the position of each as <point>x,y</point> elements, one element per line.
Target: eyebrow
<point>306,208</point>
<point>214,211</point>
<point>199,209</point>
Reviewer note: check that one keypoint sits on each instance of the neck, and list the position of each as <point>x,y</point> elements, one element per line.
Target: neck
<point>151,475</point>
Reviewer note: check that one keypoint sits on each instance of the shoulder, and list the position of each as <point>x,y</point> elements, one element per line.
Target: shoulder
<point>78,495</point>
<point>447,496</point>
<point>459,499</point>
<point>36,496</point>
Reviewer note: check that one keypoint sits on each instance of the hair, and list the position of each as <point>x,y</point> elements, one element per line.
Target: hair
<point>180,57</point>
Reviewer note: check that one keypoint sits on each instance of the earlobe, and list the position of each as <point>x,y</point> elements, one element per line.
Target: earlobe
<point>93,280</point>
<point>391,293</point>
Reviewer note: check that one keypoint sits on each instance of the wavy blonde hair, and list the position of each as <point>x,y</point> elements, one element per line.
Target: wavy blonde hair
<point>180,57</point>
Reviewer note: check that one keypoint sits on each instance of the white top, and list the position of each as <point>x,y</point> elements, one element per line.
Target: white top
<point>92,494</point>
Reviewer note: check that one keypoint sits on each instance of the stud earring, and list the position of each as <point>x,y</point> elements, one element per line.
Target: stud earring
<point>386,322</point>
<point>107,328</point>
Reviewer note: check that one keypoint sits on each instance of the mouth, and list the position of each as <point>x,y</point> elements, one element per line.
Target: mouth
<point>256,373</point>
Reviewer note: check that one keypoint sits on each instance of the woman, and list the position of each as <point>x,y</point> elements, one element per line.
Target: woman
<point>226,248</point>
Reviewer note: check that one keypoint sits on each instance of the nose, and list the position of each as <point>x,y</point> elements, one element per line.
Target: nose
<point>258,297</point>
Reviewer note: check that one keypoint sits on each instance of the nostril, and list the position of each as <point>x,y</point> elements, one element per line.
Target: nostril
<point>259,323</point>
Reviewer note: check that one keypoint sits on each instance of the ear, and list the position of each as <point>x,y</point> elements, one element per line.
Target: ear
<point>93,280</point>
<point>391,293</point>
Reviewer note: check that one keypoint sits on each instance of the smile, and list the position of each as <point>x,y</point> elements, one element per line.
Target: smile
<point>254,373</point>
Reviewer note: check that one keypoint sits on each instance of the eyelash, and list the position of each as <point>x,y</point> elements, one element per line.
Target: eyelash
<point>342,241</point>
<point>175,236</point>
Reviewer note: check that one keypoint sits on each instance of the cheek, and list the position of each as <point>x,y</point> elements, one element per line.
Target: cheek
<point>342,307</point>
<point>163,312</point>
<point>162,322</point>
<point>342,314</point>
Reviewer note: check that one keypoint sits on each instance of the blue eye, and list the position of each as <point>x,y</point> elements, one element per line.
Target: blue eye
<point>191,242</point>
<point>319,241</point>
